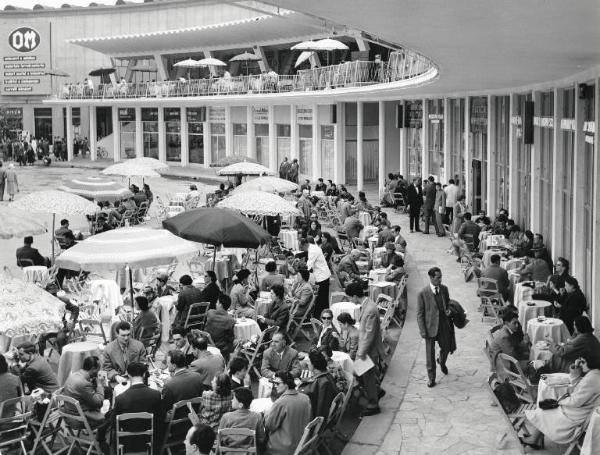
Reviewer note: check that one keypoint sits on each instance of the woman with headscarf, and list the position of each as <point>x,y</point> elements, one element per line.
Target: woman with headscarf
<point>241,302</point>
<point>12,184</point>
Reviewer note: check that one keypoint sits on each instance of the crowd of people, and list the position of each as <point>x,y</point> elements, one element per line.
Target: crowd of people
<point>28,149</point>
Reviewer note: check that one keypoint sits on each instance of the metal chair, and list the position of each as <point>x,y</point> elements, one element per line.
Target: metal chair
<point>310,437</point>
<point>123,435</point>
<point>333,418</point>
<point>92,330</point>
<point>254,354</point>
<point>75,426</point>
<point>298,323</point>
<point>152,341</point>
<point>178,422</point>
<point>14,421</point>
<point>196,316</point>
<point>243,440</point>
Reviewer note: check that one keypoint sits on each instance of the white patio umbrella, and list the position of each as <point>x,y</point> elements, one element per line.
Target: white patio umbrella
<point>245,168</point>
<point>146,161</point>
<point>16,223</point>
<point>304,56</point>
<point>245,57</point>
<point>129,169</point>
<point>133,247</point>
<point>329,44</point>
<point>210,61</point>
<point>188,63</point>
<point>268,185</point>
<point>96,188</point>
<point>54,201</point>
<point>259,203</point>
<point>304,46</point>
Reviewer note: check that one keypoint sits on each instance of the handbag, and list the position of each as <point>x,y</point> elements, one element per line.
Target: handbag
<point>548,404</point>
<point>458,316</point>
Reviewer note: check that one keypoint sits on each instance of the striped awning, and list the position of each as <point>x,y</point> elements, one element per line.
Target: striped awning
<point>96,188</point>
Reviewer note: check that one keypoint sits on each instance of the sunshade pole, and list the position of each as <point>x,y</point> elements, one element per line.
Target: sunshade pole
<point>53,221</point>
<point>214,256</point>
<point>130,277</point>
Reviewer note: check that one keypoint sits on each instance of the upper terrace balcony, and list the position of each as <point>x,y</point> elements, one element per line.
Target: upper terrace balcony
<point>405,66</point>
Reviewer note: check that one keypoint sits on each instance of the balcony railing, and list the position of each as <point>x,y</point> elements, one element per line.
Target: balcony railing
<point>402,65</point>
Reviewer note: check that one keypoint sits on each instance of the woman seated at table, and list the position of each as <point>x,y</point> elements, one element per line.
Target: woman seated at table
<point>348,335</point>
<point>279,313</point>
<point>563,424</point>
<point>217,401</point>
<point>583,344</point>
<point>302,292</point>
<point>145,323</point>
<point>313,230</point>
<point>335,370</point>
<point>572,304</point>
<point>270,277</point>
<point>242,304</point>
<point>363,205</point>
<point>320,388</point>
<point>328,335</point>
<point>329,246</point>
<point>211,290</point>
<point>536,270</point>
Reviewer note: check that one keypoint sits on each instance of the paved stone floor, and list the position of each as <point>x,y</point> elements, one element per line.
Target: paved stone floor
<point>456,416</point>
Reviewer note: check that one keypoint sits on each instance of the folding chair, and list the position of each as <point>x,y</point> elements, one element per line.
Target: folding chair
<point>399,203</point>
<point>298,323</point>
<point>310,437</point>
<point>25,263</point>
<point>178,422</point>
<point>236,441</point>
<point>75,426</point>
<point>125,436</point>
<point>127,217</point>
<point>508,369</point>
<point>196,317</point>
<point>344,241</point>
<point>254,354</point>
<point>333,418</point>
<point>152,341</point>
<point>93,330</point>
<point>352,387</point>
<point>14,421</point>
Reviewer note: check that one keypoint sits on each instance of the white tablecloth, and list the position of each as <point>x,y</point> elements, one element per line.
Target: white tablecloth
<point>553,328</point>
<point>244,330</point>
<point>377,275</point>
<point>591,443</point>
<point>262,306</point>
<point>264,388</point>
<point>522,294</point>
<point>487,255</point>
<point>72,358</point>
<point>164,307</point>
<point>343,360</point>
<point>289,238</point>
<point>373,241</point>
<point>527,312</point>
<point>108,296</point>
<point>36,274</point>
<point>539,352</point>
<point>263,405</point>
<point>553,386</point>
<point>382,287</point>
<point>368,231</point>
<point>223,267</point>
<point>364,218</point>
<point>344,307</point>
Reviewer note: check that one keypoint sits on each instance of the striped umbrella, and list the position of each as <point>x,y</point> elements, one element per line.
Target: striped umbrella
<point>258,203</point>
<point>16,223</point>
<point>268,185</point>
<point>245,168</point>
<point>96,188</point>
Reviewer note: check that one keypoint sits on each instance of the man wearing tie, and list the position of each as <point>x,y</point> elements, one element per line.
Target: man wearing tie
<point>434,323</point>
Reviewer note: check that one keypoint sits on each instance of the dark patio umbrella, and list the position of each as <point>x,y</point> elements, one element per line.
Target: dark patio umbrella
<point>105,71</point>
<point>57,73</point>
<point>217,227</point>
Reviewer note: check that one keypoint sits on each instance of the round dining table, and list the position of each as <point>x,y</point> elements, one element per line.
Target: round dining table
<point>289,238</point>
<point>553,386</point>
<point>343,360</point>
<point>531,309</point>
<point>382,287</point>
<point>552,328</point>
<point>245,329</point>
<point>377,275</point>
<point>72,358</point>
<point>222,267</point>
<point>523,293</point>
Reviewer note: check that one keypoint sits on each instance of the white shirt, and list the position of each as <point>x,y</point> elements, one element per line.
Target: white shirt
<point>451,195</point>
<point>318,264</point>
<point>433,288</point>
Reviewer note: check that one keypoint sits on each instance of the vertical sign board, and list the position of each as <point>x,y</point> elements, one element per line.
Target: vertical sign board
<point>25,59</point>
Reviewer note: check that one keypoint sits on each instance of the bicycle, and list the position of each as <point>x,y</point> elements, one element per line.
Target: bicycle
<point>101,152</point>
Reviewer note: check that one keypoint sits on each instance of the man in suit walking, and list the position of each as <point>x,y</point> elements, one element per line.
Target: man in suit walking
<point>415,202</point>
<point>430,194</point>
<point>434,323</point>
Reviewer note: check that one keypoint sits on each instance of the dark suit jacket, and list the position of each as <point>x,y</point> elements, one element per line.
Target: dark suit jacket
<point>140,398</point>
<point>183,385</point>
<point>330,338</point>
<point>385,236</point>
<point>219,324</point>
<point>369,333</point>
<point>187,296</point>
<point>584,345</point>
<point>279,316</point>
<point>27,252</point>
<point>430,196</point>
<point>495,272</point>
<point>272,362</point>
<point>415,196</point>
<point>210,293</point>
<point>428,316</point>
<point>321,390</point>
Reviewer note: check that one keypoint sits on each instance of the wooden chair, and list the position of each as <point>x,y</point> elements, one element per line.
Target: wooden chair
<point>92,330</point>
<point>329,426</point>
<point>254,354</point>
<point>344,241</point>
<point>299,323</point>
<point>196,317</point>
<point>509,369</point>
<point>177,424</point>
<point>13,428</point>
<point>352,387</point>
<point>23,262</point>
<point>145,418</point>
<point>310,437</point>
<point>128,216</point>
<point>490,309</point>
<point>142,211</point>
<point>75,426</point>
<point>399,203</point>
<point>152,341</point>
<point>236,440</point>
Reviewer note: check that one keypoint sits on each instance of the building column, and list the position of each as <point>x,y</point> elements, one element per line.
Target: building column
<point>185,140</point>
<point>338,154</point>
<point>535,167</point>
<point>425,142</point>
<point>207,142</point>
<point>315,173</point>
<point>92,133</point>
<point>116,134</point>
<point>513,159</point>
<point>273,164</point>
<point>293,133</point>
<point>250,133</point>
<point>595,307</point>
<point>403,149</point>
<point>579,180</point>
<point>70,133</point>
<point>228,132</point>
<point>381,149</point>
<point>162,136</point>
<point>446,145</point>
<point>139,133</point>
<point>491,180</point>
<point>263,63</point>
<point>557,176</point>
<point>359,146</point>
<point>468,158</point>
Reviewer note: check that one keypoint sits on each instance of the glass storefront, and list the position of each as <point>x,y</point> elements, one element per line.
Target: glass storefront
<point>42,122</point>
<point>150,132</point>
<point>478,130</point>
<point>327,151</point>
<point>436,139</point>
<point>127,136</point>
<point>501,142</point>
<point>456,132</point>
<point>283,142</point>
<point>414,111</point>
<point>173,133</point>
<point>567,131</point>
<point>544,123</point>
<point>522,216</point>
<point>195,119</point>
<point>305,132</point>
<point>261,133</point>
<point>217,141</point>
<point>240,143</point>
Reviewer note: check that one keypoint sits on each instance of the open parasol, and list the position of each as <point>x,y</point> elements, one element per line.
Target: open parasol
<point>259,203</point>
<point>245,57</point>
<point>17,223</point>
<point>146,161</point>
<point>211,61</point>
<point>268,185</point>
<point>96,188</point>
<point>245,168</point>
<point>102,71</point>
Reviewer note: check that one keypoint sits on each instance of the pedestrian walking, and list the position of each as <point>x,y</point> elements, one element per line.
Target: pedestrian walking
<point>415,202</point>
<point>293,171</point>
<point>428,207</point>
<point>435,324</point>
<point>2,181</point>
<point>12,184</point>
<point>284,169</point>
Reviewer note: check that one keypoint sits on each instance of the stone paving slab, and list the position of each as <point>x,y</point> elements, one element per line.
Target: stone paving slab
<point>456,416</point>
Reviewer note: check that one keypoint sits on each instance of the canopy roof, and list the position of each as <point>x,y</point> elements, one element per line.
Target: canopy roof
<point>261,29</point>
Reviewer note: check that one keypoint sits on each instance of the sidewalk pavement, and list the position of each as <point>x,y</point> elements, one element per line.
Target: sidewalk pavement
<point>456,416</point>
